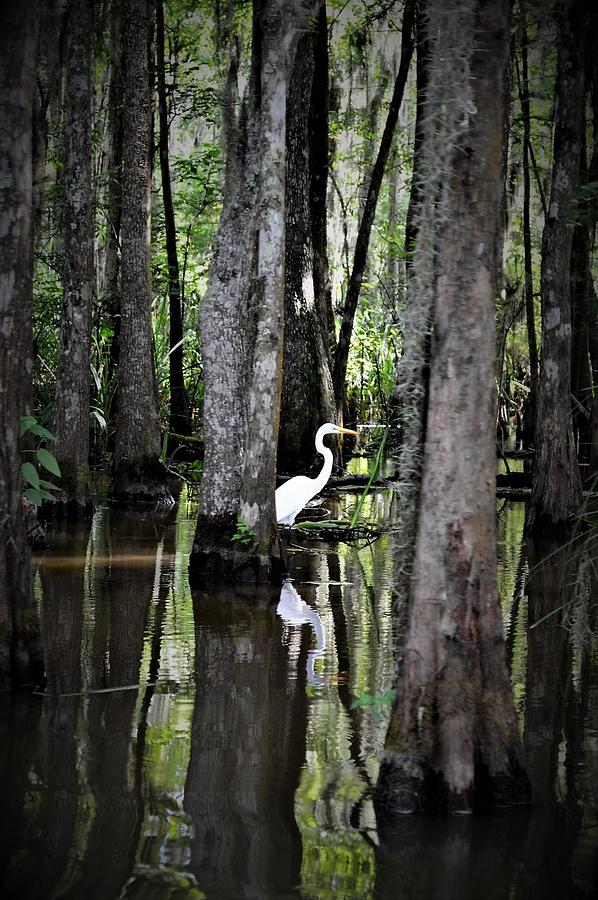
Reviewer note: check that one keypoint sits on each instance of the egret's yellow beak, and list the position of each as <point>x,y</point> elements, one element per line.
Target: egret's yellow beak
<point>346,431</point>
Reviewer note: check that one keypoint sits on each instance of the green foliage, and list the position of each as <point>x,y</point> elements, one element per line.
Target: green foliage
<point>366,490</point>
<point>39,489</point>
<point>244,534</point>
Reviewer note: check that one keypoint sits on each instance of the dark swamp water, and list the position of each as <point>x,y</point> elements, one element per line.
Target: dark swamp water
<point>205,745</point>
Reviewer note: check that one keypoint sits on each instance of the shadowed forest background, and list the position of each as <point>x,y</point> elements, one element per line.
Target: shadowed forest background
<point>221,226</point>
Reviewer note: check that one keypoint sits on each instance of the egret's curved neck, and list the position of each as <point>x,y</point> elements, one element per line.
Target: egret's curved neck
<point>326,452</point>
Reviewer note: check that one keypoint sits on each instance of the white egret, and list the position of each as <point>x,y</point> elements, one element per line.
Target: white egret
<point>295,493</point>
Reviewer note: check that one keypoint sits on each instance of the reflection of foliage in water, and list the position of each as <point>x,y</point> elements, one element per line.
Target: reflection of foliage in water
<point>344,743</point>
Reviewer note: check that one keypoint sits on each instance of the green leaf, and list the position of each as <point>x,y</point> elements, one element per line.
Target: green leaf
<point>30,474</point>
<point>40,431</point>
<point>46,495</point>
<point>48,485</point>
<point>48,461</point>
<point>26,423</point>
<point>34,496</point>
<point>100,418</point>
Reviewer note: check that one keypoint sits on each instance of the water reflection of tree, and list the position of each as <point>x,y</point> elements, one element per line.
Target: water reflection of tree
<point>123,590</point>
<point>81,833</point>
<point>351,590</point>
<point>560,589</point>
<point>248,746</point>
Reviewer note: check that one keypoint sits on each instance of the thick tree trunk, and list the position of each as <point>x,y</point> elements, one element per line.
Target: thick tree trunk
<point>341,356</point>
<point>556,492</point>
<point>224,322</point>
<point>258,478</point>
<point>71,403</point>
<point>111,282</point>
<point>138,474</point>
<point>20,647</point>
<point>180,422</point>
<point>307,398</point>
<point>593,298</point>
<point>453,739</point>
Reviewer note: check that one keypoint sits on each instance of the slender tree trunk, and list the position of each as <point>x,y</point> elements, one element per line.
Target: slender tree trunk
<point>367,220</point>
<point>48,87</point>
<point>138,473</point>
<point>453,739</point>
<point>556,492</point>
<point>530,318</point>
<point>423,52</point>
<point>307,398</point>
<point>20,647</point>
<point>581,373</point>
<point>179,405</point>
<point>319,163</point>
<point>71,404</point>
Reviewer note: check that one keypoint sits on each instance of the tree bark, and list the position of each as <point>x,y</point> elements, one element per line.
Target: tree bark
<point>20,646</point>
<point>48,87</point>
<point>180,422</point>
<point>319,163</point>
<point>556,491</point>
<point>453,740</point>
<point>224,322</point>
<point>581,373</point>
<point>593,298</point>
<point>307,398</point>
<point>341,356</point>
<point>138,475</point>
<point>530,318</point>
<point>71,403</point>
<point>111,281</point>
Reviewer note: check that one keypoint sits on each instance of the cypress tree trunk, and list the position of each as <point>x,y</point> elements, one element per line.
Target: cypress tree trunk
<point>307,399</point>
<point>224,322</point>
<point>556,491</point>
<point>243,310</point>
<point>20,647</point>
<point>111,282</point>
<point>453,739</point>
<point>593,299</point>
<point>179,405</point>
<point>138,474</point>
<point>71,403</point>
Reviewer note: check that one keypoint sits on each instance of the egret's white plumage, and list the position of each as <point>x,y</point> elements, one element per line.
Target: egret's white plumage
<point>295,493</point>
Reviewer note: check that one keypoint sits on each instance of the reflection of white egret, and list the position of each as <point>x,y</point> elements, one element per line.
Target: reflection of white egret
<point>295,611</point>
<point>295,493</point>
